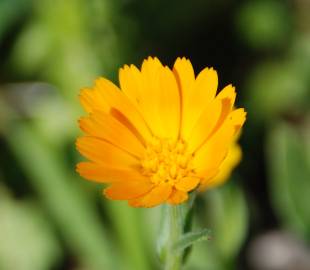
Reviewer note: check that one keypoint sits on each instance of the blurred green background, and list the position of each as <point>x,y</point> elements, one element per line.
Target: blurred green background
<point>52,219</point>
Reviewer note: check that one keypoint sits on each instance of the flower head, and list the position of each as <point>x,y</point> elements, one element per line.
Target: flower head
<point>161,135</point>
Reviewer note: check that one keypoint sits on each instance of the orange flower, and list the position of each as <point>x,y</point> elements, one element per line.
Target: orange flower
<point>164,134</point>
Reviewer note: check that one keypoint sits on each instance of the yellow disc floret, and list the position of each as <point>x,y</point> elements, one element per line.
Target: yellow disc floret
<point>166,161</point>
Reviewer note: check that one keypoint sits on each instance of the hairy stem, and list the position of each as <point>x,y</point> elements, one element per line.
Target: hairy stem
<point>176,218</point>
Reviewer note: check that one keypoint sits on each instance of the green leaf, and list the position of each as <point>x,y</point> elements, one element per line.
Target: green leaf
<point>264,24</point>
<point>56,186</point>
<point>27,238</point>
<point>289,173</point>
<point>188,239</point>
<point>229,219</point>
<point>10,13</point>
<point>225,211</point>
<point>131,239</point>
<point>273,88</point>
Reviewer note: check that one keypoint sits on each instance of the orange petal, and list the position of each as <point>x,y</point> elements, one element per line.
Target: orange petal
<point>157,195</point>
<point>213,152</point>
<point>238,117</point>
<point>227,97</point>
<point>140,86</point>
<point>92,100</point>
<point>103,152</point>
<point>131,83</point>
<point>204,125</point>
<point>169,106</point>
<point>187,183</point>
<point>206,178</point>
<point>118,101</point>
<point>185,76</point>
<point>228,92</point>
<point>206,84</point>
<point>202,93</point>
<point>230,162</point>
<point>105,174</point>
<point>177,197</point>
<point>161,102</point>
<point>103,125</point>
<point>128,190</point>
<point>207,174</point>
<point>155,92</point>
<point>150,65</point>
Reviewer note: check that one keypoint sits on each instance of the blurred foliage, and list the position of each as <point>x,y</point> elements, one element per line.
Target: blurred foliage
<point>51,219</point>
<point>225,203</point>
<point>269,21</point>
<point>288,150</point>
<point>24,227</point>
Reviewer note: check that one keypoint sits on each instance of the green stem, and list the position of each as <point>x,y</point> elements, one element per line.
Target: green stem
<point>176,218</point>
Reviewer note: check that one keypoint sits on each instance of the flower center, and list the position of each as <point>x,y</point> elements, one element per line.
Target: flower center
<point>166,161</point>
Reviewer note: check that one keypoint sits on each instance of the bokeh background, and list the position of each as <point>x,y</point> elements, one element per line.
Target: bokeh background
<point>50,218</point>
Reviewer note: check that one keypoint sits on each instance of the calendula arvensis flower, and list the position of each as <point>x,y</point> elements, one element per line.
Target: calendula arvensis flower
<point>162,134</point>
